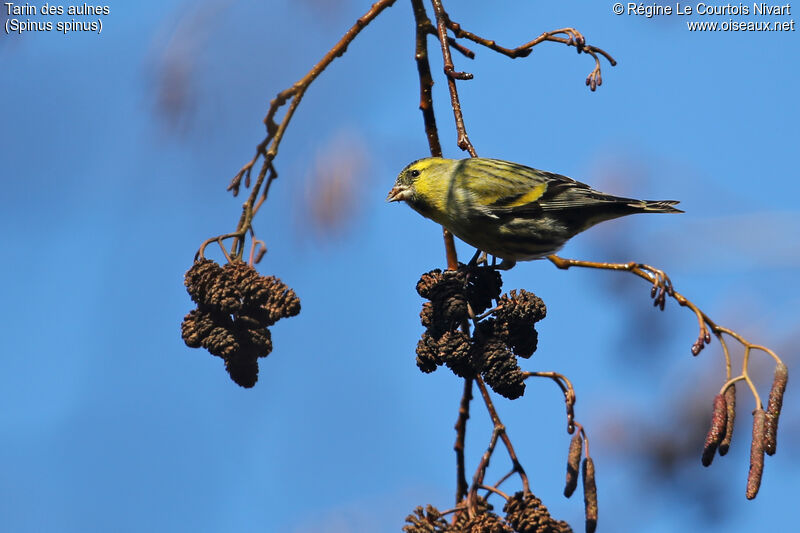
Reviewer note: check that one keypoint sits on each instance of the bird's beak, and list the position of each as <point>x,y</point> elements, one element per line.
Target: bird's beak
<point>398,193</point>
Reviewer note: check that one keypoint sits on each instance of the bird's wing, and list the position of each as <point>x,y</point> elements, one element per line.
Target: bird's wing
<point>496,184</point>
<point>502,188</point>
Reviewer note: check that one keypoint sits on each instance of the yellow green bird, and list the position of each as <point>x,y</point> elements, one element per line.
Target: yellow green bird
<point>508,210</point>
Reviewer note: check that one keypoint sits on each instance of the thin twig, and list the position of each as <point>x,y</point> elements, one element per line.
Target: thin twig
<point>452,75</point>
<point>495,490</point>
<point>254,256</point>
<point>423,29</point>
<point>503,435</point>
<point>423,24</point>
<point>267,149</point>
<point>573,38</point>
<point>504,478</point>
<point>461,433</point>
<point>662,287</point>
<point>218,239</point>
<point>585,439</point>
<point>566,387</point>
<point>480,472</point>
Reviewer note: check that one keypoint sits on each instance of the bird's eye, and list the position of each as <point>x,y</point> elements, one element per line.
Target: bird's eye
<point>414,173</point>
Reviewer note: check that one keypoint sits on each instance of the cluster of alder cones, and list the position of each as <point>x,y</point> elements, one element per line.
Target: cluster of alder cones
<point>498,339</point>
<point>235,307</point>
<point>524,513</point>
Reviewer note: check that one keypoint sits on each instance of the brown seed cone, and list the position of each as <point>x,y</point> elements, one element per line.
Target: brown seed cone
<point>436,284</point>
<point>255,342</point>
<point>589,495</point>
<point>248,321</point>
<point>487,522</point>
<point>560,526</point>
<point>522,307</point>
<point>282,301</point>
<point>428,353</point>
<point>427,281</point>
<point>221,341</point>
<point>235,306</point>
<point>518,313</point>
<point>524,341</point>
<point>427,520</point>
<point>446,291</point>
<point>573,464</point>
<point>756,454</point>
<point>483,286</point>
<point>453,310</point>
<point>774,406</point>
<point>527,514</point>
<point>426,315</point>
<point>198,277</point>
<point>452,282</point>
<point>500,369</point>
<point>243,369</point>
<point>717,430</point>
<point>224,295</point>
<point>195,327</point>
<point>455,350</point>
<point>255,317</point>
<point>255,289</point>
<point>210,286</point>
<point>481,506</point>
<point>730,417</point>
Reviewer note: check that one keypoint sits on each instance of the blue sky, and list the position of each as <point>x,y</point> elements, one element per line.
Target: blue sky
<point>111,423</point>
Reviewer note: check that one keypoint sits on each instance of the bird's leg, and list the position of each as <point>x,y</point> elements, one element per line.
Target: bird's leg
<point>477,258</point>
<point>481,258</point>
<point>506,264</point>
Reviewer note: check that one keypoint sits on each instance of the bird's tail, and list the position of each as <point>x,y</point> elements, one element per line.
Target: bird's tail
<point>650,206</point>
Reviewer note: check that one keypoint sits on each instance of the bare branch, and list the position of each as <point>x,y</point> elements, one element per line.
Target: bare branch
<point>268,148</point>
<point>662,287</point>
<point>452,75</point>
<point>461,434</point>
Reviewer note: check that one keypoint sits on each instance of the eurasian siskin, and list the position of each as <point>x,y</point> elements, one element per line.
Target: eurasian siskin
<point>508,210</point>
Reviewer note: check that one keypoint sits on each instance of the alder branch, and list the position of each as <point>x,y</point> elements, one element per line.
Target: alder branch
<point>501,431</point>
<point>661,288</point>
<point>267,150</point>
<point>569,393</point>
<point>423,29</point>
<point>461,432</point>
<point>573,38</point>
<point>452,75</point>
